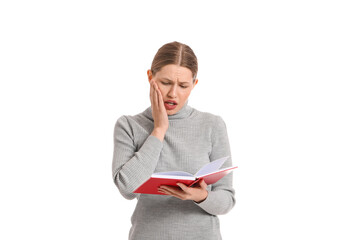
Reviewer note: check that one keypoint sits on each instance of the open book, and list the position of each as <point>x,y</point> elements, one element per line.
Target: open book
<point>210,173</point>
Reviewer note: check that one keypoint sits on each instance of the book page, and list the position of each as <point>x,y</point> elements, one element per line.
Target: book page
<point>225,170</point>
<point>211,167</point>
<point>173,175</point>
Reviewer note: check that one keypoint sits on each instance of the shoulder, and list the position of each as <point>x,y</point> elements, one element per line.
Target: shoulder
<point>214,124</point>
<point>122,125</point>
<point>214,120</point>
<point>128,120</point>
<point>130,123</point>
<point>122,121</point>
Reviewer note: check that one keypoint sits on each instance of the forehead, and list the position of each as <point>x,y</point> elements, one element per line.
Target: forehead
<point>175,73</point>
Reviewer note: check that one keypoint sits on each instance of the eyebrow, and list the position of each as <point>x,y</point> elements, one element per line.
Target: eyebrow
<point>171,80</point>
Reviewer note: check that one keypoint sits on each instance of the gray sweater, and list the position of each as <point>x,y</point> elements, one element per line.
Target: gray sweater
<point>193,139</point>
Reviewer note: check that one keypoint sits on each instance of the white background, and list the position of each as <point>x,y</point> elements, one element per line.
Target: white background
<point>284,76</point>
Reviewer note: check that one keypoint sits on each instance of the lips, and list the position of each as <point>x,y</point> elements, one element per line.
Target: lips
<point>170,105</point>
<point>170,101</point>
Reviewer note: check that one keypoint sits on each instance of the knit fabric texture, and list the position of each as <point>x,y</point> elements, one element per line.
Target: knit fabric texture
<point>193,139</point>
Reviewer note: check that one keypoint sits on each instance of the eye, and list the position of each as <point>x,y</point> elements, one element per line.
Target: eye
<point>166,83</point>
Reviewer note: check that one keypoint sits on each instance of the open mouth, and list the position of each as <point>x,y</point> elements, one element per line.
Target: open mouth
<point>171,103</point>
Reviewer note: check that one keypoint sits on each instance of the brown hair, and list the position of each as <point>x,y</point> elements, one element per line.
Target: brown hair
<point>175,53</point>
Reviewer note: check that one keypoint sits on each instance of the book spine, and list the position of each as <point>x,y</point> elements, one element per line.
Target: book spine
<point>198,180</point>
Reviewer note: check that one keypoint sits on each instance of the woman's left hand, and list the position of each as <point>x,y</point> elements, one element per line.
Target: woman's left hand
<point>197,194</point>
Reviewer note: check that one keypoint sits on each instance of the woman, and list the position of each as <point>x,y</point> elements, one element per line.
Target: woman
<point>172,136</point>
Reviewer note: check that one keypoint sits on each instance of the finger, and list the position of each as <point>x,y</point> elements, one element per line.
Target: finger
<point>161,191</point>
<point>183,187</point>
<point>174,192</point>
<point>161,103</point>
<point>153,96</point>
<point>159,95</point>
<point>170,188</point>
<point>151,93</point>
<point>203,184</point>
<point>156,100</point>
<point>164,191</point>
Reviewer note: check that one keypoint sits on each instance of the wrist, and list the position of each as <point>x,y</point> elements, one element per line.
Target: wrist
<point>202,199</point>
<point>158,133</point>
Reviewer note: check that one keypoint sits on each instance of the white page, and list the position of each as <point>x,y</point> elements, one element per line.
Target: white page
<point>212,166</point>
<point>223,169</point>
<point>174,177</point>
<point>172,173</point>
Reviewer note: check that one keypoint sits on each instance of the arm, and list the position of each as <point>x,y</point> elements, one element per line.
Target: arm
<point>131,168</point>
<point>221,197</point>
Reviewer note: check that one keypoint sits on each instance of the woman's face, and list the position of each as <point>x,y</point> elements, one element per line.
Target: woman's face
<point>175,84</point>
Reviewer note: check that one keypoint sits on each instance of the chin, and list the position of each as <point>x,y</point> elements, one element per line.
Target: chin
<point>170,112</point>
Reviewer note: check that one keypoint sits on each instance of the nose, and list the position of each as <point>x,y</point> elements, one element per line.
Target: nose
<point>172,91</point>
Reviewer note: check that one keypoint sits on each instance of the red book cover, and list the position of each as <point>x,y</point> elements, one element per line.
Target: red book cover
<point>210,173</point>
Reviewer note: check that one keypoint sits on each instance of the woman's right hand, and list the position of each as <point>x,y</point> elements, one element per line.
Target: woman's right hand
<point>161,121</point>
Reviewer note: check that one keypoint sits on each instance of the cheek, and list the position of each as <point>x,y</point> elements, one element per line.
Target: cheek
<point>162,90</point>
<point>185,93</point>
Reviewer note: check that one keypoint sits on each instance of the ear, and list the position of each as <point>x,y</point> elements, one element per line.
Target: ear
<point>149,73</point>
<point>196,81</point>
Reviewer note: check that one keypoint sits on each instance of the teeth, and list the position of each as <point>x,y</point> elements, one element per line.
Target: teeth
<point>170,103</point>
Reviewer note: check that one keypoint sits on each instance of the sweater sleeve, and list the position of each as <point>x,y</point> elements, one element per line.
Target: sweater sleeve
<point>130,168</point>
<point>221,195</point>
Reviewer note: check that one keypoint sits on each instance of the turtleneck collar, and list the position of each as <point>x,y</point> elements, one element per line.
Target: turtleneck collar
<point>184,112</point>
